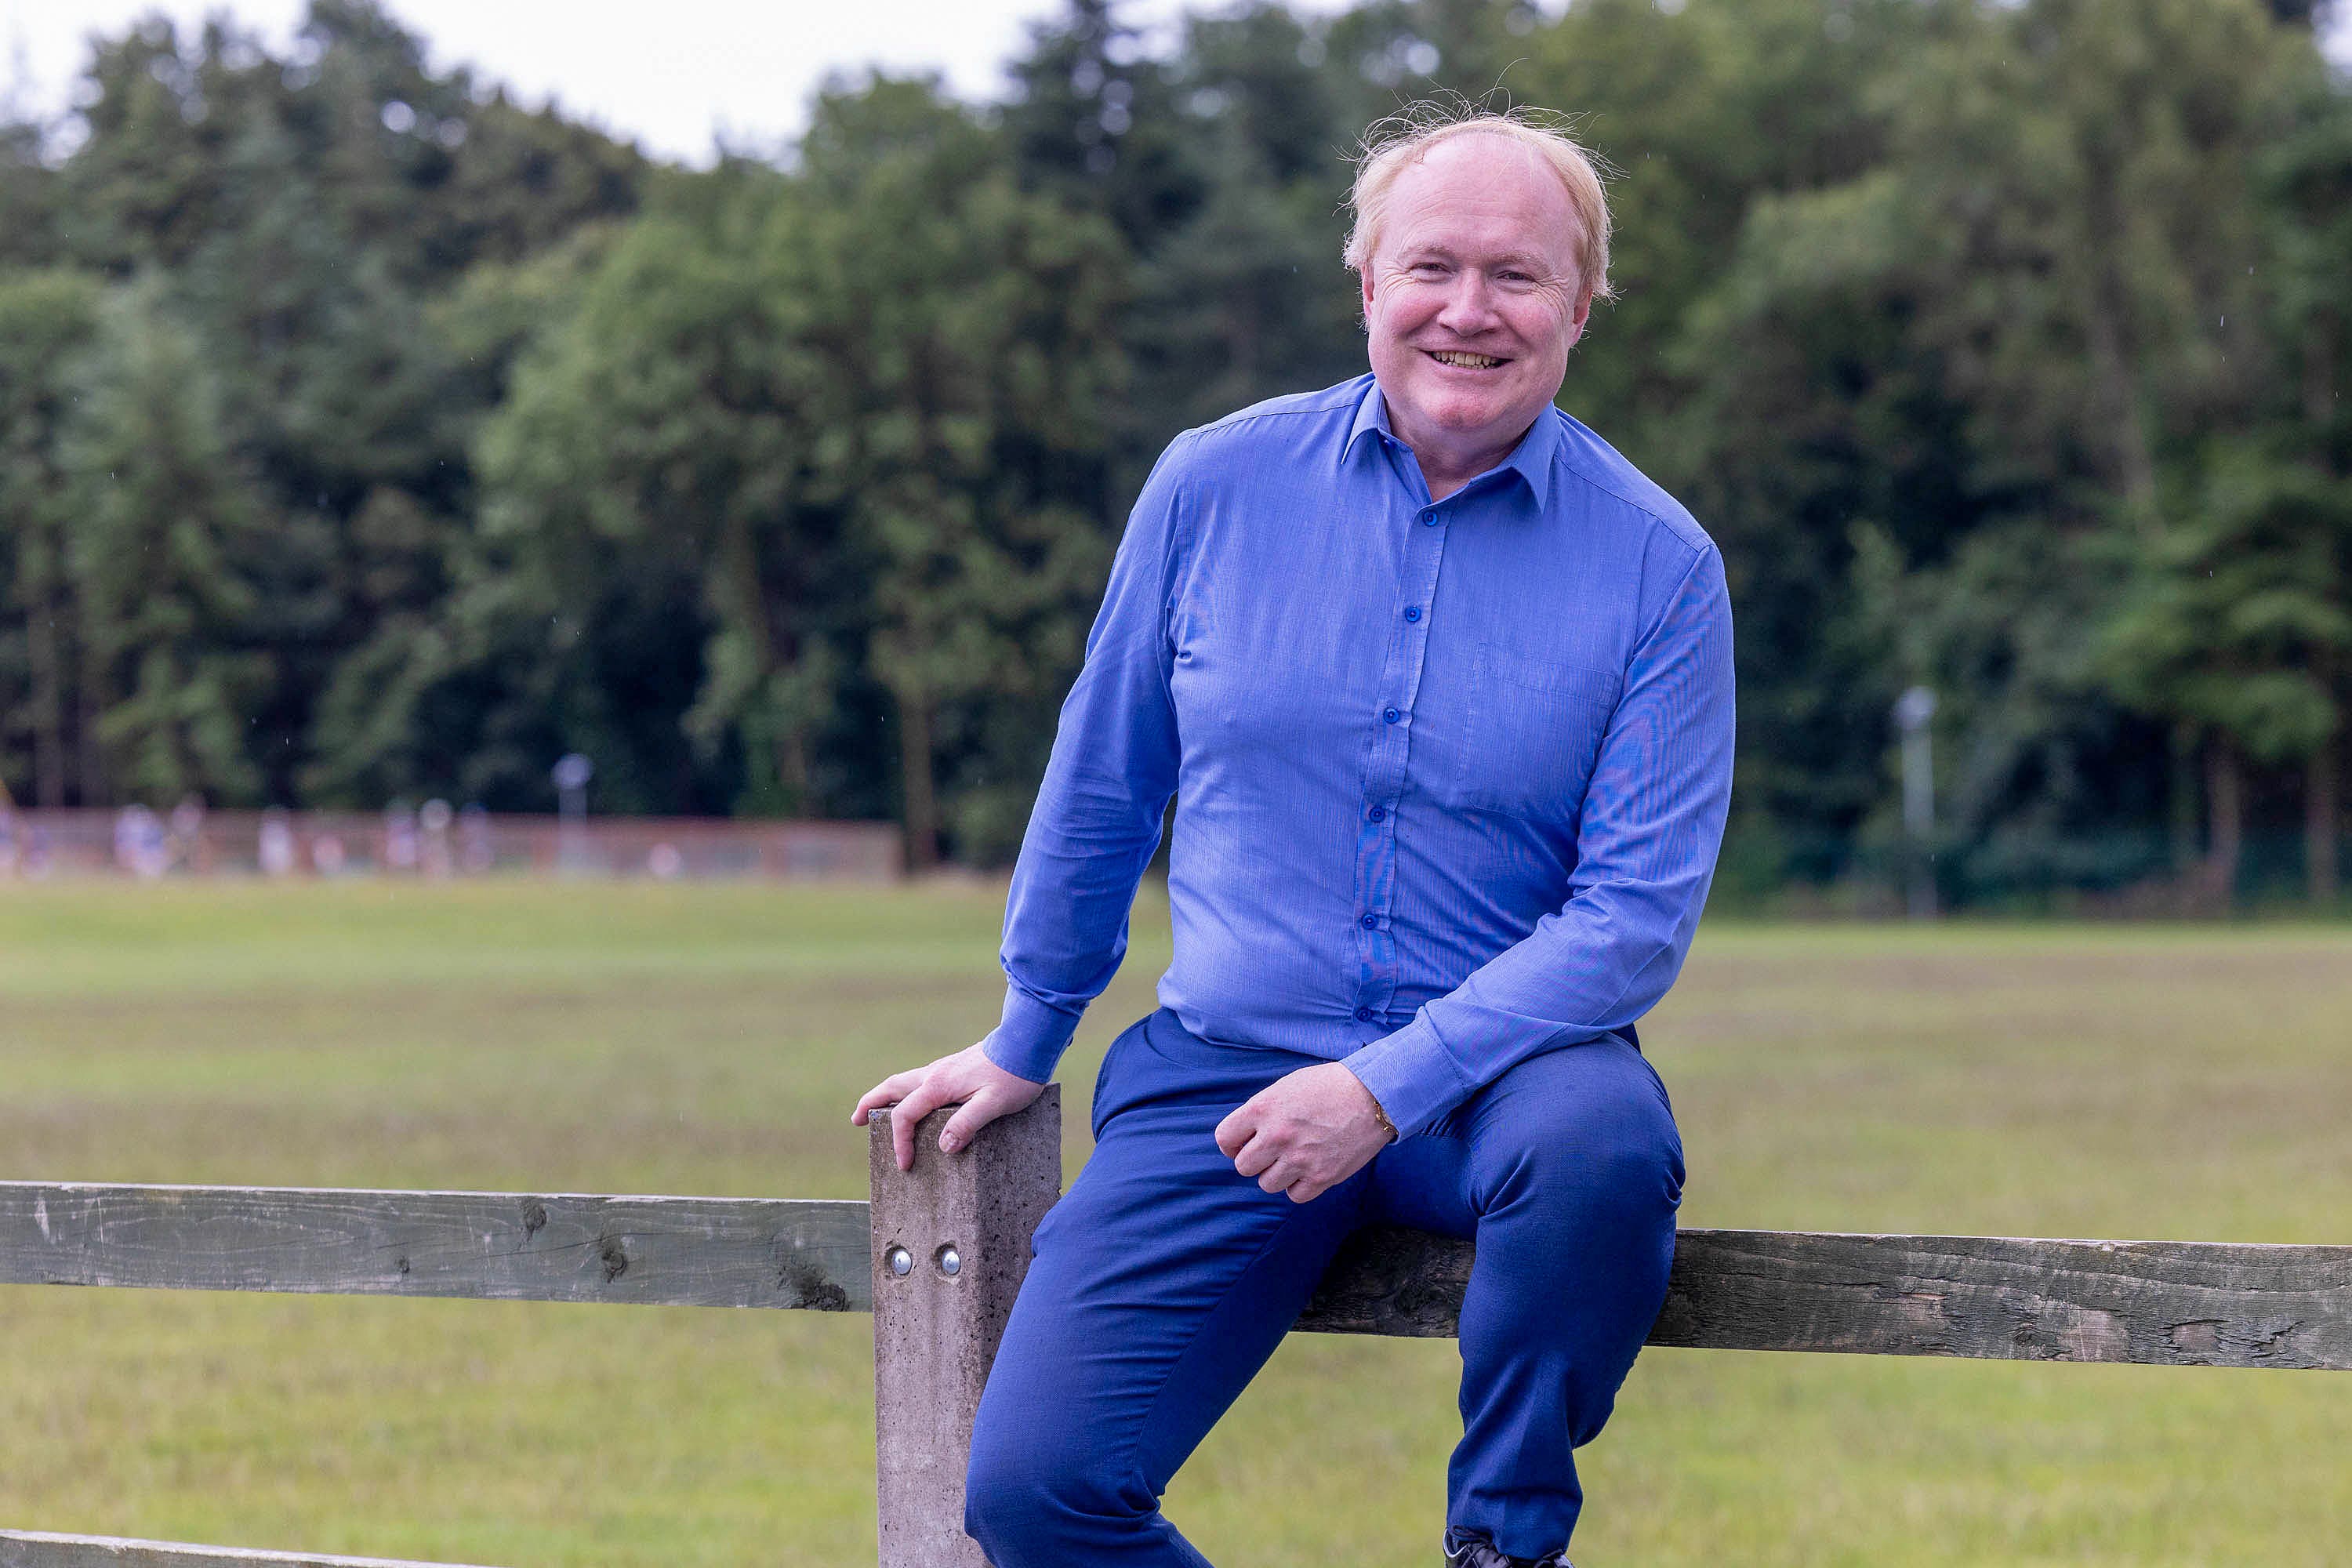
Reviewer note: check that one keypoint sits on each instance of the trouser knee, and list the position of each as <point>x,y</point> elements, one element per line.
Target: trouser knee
<point>1585,1129</point>
<point>1030,1499</point>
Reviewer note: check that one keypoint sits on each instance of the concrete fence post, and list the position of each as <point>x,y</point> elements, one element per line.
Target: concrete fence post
<point>950,1246</point>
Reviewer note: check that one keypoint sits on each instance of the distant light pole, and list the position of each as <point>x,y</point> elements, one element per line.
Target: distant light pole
<point>1912,712</point>
<point>571,773</point>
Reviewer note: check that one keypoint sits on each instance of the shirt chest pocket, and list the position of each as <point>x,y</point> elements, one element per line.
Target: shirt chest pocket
<point>1534,730</point>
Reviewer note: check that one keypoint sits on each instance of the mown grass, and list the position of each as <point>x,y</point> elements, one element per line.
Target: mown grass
<point>2019,1079</point>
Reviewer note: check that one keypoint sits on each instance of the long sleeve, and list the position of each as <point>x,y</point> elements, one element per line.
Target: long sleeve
<point>1646,846</point>
<point>1106,790</point>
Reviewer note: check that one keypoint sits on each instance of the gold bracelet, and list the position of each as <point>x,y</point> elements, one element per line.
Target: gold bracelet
<point>1381,1116</point>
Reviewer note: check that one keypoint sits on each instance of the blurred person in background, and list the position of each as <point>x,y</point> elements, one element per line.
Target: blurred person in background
<point>475,854</point>
<point>1442,687</point>
<point>274,848</point>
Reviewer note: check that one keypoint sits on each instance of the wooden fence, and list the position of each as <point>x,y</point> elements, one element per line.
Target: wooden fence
<point>328,843</point>
<point>939,1252</point>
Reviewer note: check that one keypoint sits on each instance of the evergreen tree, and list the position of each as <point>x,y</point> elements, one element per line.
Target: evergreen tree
<point>1090,123</point>
<point>30,197</point>
<point>161,543</point>
<point>2241,626</point>
<point>48,320</point>
<point>1248,297</point>
<point>967,329</point>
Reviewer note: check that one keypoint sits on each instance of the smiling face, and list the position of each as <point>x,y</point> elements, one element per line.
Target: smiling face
<point>1472,301</point>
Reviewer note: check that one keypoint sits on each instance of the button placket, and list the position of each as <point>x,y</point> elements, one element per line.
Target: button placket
<point>1389,764</point>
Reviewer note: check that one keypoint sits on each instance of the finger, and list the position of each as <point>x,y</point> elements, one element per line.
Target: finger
<point>1307,1190</point>
<point>1257,1155</point>
<point>1234,1131</point>
<point>919,1104</point>
<point>890,1090</point>
<point>1277,1178</point>
<point>975,1113</point>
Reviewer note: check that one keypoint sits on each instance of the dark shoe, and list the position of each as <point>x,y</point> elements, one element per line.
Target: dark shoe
<point>1474,1552</point>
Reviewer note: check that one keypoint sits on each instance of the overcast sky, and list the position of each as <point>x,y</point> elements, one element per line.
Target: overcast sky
<point>666,72</point>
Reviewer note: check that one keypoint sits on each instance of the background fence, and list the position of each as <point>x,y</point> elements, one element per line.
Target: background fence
<point>443,843</point>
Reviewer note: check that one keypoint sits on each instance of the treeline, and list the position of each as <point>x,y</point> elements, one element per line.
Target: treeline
<point>365,436</point>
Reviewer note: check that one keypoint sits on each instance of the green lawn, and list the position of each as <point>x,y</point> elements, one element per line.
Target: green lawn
<point>2016,1080</point>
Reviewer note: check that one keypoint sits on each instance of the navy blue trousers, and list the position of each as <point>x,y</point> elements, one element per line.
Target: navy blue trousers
<point>1163,1279</point>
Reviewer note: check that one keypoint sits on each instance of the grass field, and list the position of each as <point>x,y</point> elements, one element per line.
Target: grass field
<point>2014,1079</point>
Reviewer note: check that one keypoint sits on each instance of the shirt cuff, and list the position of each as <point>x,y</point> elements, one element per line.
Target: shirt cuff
<point>1031,1037</point>
<point>1412,1075</point>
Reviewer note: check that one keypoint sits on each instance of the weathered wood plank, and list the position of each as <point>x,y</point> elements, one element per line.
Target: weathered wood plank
<point>2181,1303</point>
<point>39,1549</point>
<point>515,1246</point>
<point>2166,1303</point>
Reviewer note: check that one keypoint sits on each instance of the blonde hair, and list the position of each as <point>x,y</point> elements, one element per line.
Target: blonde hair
<point>1395,144</point>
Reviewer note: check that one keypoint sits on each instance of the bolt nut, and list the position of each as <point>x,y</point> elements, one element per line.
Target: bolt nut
<point>950,1261</point>
<point>901,1261</point>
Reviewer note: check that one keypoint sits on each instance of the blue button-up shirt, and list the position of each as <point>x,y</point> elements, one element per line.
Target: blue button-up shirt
<point>1450,776</point>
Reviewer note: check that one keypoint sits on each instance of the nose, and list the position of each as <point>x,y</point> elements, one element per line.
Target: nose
<point>1469,307</point>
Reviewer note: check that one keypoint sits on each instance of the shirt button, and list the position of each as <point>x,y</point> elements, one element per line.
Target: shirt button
<point>1378,814</point>
<point>1413,612</point>
<point>1391,714</point>
<point>1428,519</point>
<point>1363,1014</point>
<point>1371,922</point>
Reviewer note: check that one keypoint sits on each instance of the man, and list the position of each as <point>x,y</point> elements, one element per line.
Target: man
<point>1442,687</point>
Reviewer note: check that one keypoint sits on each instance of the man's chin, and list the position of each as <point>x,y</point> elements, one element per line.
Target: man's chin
<point>1470,418</point>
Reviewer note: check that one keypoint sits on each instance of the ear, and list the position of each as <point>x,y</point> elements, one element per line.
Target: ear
<point>1576,322</point>
<point>1364,278</point>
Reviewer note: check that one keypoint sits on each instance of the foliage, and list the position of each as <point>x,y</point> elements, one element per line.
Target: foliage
<point>160,543</point>
<point>1978,334</point>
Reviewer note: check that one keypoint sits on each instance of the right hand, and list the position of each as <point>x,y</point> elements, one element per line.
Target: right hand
<point>969,1078</point>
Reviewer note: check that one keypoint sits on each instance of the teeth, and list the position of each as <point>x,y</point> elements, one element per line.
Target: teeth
<point>1466,361</point>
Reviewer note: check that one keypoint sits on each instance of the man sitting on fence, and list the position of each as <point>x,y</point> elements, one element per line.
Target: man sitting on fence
<point>1442,687</point>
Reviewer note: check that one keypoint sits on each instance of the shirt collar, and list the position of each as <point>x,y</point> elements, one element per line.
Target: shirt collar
<point>1531,460</point>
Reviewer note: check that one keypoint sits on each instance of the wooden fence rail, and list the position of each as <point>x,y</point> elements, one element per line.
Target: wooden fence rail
<point>40,1549</point>
<point>938,1254</point>
<point>507,1247</point>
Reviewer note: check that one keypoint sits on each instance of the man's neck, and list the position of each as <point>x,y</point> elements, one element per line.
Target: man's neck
<point>1446,466</point>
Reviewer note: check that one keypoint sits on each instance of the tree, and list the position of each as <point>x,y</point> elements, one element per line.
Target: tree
<point>2021,325</point>
<point>48,320</point>
<point>160,543</point>
<point>1247,297</point>
<point>1089,124</point>
<point>1761,360</point>
<point>644,492</point>
<point>304,210</point>
<point>2241,624</point>
<point>967,330</point>
<point>2305,186</point>
<point>29,193</point>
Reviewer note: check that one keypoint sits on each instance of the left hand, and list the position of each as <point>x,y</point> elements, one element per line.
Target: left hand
<point>1304,1134</point>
